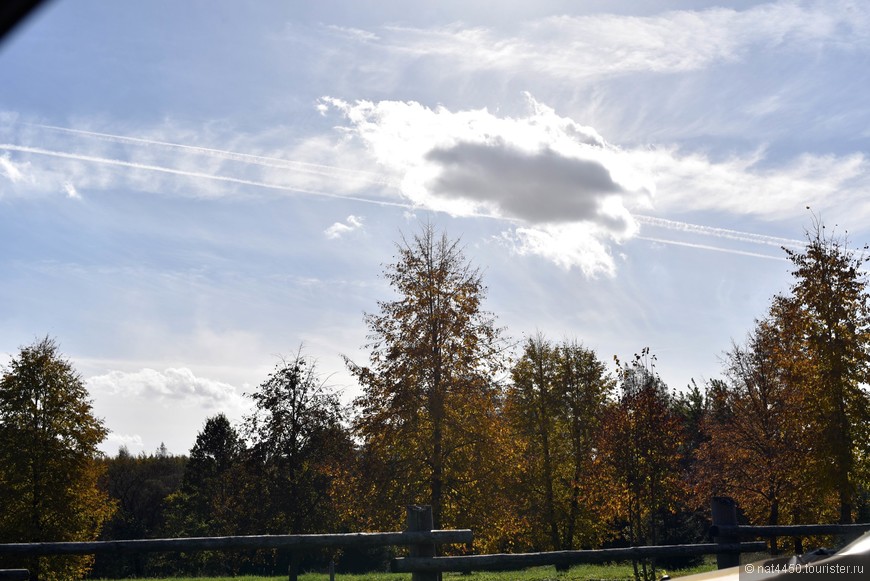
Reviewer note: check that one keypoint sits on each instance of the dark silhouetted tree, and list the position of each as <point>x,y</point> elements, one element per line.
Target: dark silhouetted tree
<point>296,435</point>
<point>140,486</point>
<point>209,503</point>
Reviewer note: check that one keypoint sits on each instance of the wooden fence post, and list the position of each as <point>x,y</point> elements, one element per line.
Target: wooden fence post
<point>724,511</point>
<point>420,519</point>
<point>293,567</point>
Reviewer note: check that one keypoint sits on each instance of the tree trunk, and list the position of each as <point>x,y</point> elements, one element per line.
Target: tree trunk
<point>548,488</point>
<point>773,519</point>
<point>574,513</point>
<point>437,484</point>
<point>436,488</point>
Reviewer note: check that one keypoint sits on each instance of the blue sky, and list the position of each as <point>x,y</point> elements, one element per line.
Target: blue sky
<point>189,190</point>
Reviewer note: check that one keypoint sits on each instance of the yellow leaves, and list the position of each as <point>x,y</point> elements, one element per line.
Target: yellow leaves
<point>640,452</point>
<point>428,417</point>
<point>782,442</point>
<point>48,452</point>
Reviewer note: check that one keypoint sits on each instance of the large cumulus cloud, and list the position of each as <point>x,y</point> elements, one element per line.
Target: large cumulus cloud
<point>566,191</point>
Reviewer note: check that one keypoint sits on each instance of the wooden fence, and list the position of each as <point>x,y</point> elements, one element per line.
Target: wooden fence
<point>727,531</point>
<point>419,536</point>
<point>422,562</point>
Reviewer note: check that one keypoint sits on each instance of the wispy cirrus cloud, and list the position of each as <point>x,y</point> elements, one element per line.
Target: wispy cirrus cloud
<point>45,159</point>
<point>51,181</point>
<point>676,75</point>
<point>354,176</point>
<point>567,194</point>
<point>586,46</point>
<point>721,233</point>
<point>749,185</point>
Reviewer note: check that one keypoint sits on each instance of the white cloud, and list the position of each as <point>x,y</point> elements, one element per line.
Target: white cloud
<point>170,387</point>
<point>580,47</point>
<point>354,33</point>
<point>544,169</point>
<point>71,191</point>
<point>10,170</point>
<point>115,440</point>
<point>580,245</point>
<point>569,193</point>
<point>745,185</point>
<point>538,171</point>
<point>559,181</point>
<point>339,229</point>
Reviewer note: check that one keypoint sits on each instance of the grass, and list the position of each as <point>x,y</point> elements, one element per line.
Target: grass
<point>614,572</point>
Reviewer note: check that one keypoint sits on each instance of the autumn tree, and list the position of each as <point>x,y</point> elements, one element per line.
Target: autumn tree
<point>428,414</point>
<point>759,448</point>
<point>640,456</point>
<point>789,429</point>
<point>554,403</point>
<point>830,293</point>
<point>49,459</point>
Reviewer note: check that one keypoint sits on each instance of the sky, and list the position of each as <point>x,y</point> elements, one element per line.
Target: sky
<point>190,191</point>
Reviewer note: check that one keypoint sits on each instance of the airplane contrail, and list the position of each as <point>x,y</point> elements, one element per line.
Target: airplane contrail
<point>192,174</point>
<point>720,232</point>
<point>708,247</point>
<point>336,172</point>
<point>273,162</point>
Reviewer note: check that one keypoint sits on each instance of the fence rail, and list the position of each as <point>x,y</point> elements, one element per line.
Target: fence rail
<point>788,530</point>
<point>301,542</point>
<point>508,561</point>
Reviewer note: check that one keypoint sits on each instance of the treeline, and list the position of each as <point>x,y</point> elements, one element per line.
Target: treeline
<point>536,446</point>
